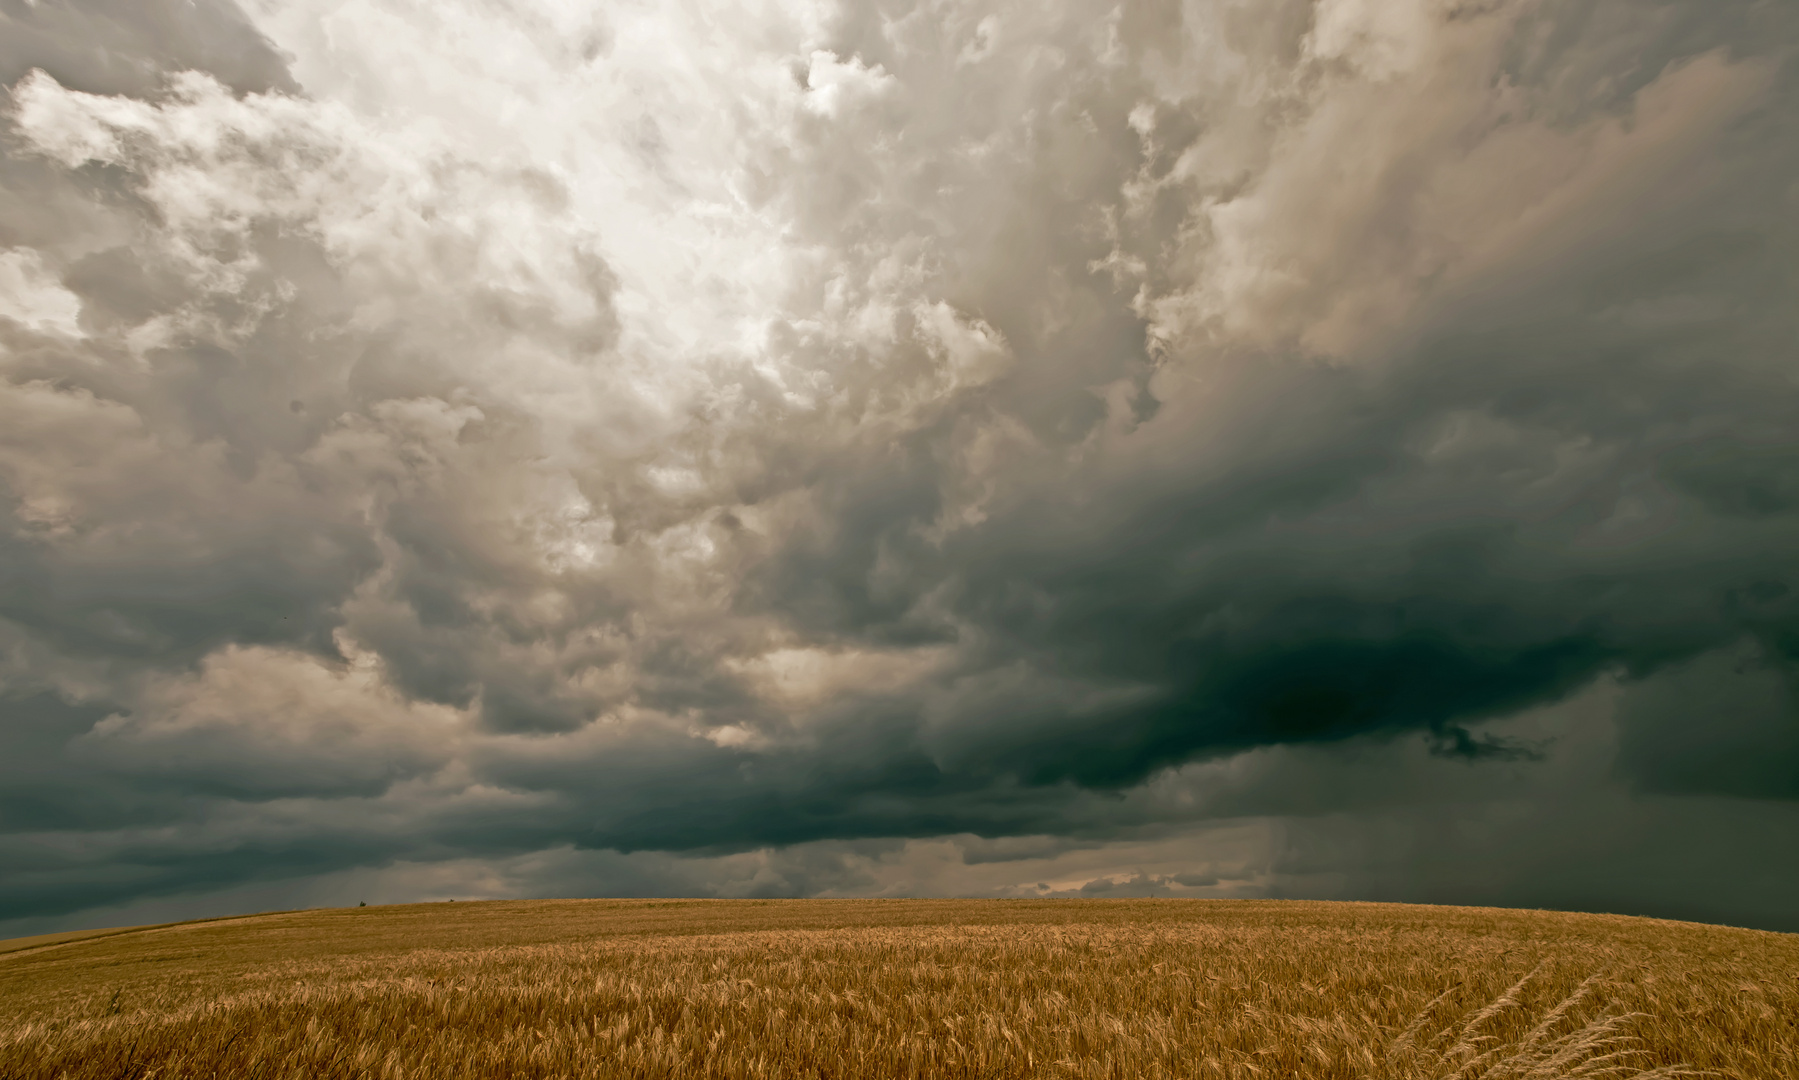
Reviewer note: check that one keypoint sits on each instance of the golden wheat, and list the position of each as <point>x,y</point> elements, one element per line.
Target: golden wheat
<point>1231,990</point>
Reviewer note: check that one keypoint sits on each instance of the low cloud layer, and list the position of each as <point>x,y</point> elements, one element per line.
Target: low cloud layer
<point>1337,449</point>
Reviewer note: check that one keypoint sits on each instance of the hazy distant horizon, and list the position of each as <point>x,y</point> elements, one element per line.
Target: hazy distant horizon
<point>1331,449</point>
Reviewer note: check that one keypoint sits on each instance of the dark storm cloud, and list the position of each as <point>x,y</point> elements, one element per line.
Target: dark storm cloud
<point>1720,724</point>
<point>1014,421</point>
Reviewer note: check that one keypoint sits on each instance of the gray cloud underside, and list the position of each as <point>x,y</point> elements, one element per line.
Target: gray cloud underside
<point>995,409</point>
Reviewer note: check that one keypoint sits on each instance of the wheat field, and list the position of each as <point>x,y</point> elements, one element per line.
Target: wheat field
<point>1224,990</point>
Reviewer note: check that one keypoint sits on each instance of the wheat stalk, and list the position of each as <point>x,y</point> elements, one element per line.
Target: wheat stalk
<point>1598,1049</point>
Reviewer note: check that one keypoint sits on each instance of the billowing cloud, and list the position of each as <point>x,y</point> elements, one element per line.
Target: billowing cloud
<point>1170,448</point>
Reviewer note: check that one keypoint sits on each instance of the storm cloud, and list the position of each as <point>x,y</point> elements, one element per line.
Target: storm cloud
<point>1199,448</point>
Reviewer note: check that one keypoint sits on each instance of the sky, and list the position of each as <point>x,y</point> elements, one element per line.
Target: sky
<point>1343,449</point>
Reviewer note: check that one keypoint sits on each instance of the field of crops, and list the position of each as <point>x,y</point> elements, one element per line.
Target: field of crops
<point>905,988</point>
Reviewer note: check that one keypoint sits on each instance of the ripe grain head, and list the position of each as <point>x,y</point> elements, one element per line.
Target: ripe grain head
<point>1230,989</point>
